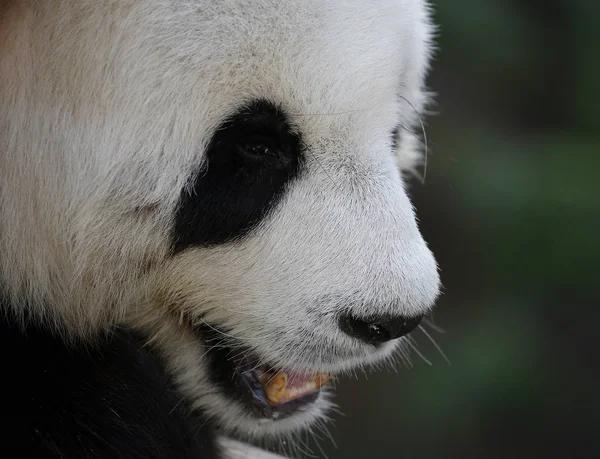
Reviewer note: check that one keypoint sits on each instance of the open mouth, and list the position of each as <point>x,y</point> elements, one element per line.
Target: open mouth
<point>281,392</point>
<point>268,391</point>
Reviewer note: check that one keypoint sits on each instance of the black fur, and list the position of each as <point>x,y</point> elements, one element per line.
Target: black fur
<point>112,400</point>
<point>250,159</point>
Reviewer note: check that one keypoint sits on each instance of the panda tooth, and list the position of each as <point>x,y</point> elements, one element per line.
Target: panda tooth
<point>320,380</point>
<point>277,392</point>
<point>274,387</point>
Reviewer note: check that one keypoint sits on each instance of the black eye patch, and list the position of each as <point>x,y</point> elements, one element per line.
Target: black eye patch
<point>249,161</point>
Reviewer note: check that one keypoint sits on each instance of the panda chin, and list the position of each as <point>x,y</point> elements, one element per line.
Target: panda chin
<point>265,391</point>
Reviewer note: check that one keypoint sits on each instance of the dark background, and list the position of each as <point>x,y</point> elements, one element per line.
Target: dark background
<point>511,209</point>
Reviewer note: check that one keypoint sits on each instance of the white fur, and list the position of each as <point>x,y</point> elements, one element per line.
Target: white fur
<point>105,110</point>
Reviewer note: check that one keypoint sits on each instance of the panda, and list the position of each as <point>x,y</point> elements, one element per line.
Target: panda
<point>203,216</point>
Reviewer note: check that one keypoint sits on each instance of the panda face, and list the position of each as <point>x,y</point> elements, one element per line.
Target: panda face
<point>294,248</point>
<point>230,185</point>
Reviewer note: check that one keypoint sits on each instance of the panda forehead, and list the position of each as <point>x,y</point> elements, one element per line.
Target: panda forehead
<point>309,57</point>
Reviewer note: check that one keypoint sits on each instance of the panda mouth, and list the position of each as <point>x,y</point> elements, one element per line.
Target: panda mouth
<point>266,390</point>
<point>278,388</point>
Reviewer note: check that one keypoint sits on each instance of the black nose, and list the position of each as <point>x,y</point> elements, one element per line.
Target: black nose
<point>378,330</point>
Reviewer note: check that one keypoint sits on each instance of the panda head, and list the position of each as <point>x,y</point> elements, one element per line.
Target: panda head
<point>226,177</point>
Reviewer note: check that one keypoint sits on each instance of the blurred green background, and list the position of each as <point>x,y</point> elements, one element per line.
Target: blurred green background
<point>511,208</point>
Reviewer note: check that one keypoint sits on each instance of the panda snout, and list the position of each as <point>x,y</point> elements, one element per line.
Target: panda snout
<point>377,330</point>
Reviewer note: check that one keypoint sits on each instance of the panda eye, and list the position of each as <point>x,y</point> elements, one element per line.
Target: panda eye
<point>257,148</point>
<point>395,132</point>
<point>247,165</point>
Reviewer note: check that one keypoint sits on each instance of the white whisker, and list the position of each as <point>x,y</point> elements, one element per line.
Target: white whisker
<point>414,348</point>
<point>435,344</point>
